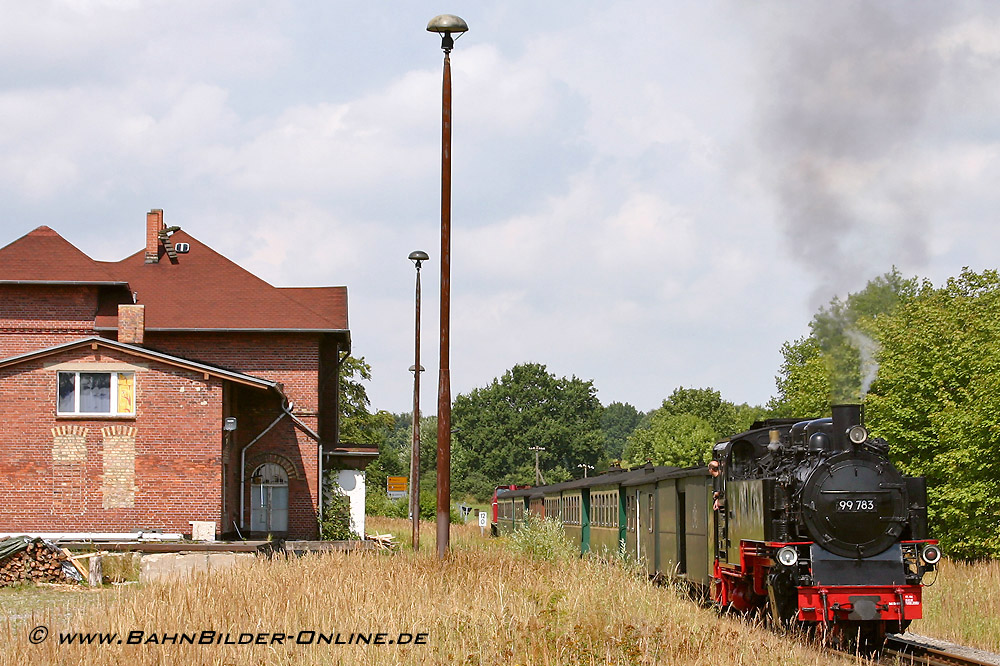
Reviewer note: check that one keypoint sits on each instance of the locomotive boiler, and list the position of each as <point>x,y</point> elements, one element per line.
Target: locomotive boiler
<point>815,524</point>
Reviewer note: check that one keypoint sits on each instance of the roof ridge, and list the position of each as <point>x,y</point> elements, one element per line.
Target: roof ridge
<point>43,255</point>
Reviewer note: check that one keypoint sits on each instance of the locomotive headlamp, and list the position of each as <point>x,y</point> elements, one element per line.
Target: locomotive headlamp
<point>858,435</point>
<point>931,554</point>
<point>788,556</point>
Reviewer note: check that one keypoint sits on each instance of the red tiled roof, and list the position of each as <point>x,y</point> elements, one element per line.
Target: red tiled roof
<point>201,290</point>
<point>204,290</point>
<point>46,257</point>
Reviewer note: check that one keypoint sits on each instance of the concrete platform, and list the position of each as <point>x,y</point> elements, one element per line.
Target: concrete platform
<point>160,567</point>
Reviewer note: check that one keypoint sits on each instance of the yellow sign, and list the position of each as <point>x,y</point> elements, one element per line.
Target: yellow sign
<point>396,484</point>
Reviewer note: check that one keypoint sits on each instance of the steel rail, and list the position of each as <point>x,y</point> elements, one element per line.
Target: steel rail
<point>911,651</point>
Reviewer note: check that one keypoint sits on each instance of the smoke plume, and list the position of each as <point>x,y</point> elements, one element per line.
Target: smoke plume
<point>844,96</point>
<point>867,350</point>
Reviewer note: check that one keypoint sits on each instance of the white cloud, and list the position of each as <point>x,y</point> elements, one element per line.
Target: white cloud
<point>614,216</point>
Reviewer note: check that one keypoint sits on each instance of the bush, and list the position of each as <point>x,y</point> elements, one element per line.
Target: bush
<point>542,539</point>
<point>377,503</point>
<point>335,523</point>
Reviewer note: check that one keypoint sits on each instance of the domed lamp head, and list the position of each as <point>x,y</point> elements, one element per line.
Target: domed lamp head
<point>447,24</point>
<point>417,256</point>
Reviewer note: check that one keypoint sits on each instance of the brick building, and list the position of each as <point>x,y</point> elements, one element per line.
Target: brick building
<point>169,387</point>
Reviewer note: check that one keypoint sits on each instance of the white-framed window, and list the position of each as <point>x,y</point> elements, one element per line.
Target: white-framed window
<point>96,393</point>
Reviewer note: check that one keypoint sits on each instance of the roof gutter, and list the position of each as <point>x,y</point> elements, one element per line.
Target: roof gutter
<point>69,283</point>
<point>234,330</point>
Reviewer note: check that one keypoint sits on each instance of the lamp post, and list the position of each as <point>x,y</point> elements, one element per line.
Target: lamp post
<point>417,257</point>
<point>585,467</point>
<point>446,25</point>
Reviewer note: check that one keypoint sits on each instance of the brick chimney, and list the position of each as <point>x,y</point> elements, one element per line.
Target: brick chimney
<point>154,223</point>
<point>131,323</point>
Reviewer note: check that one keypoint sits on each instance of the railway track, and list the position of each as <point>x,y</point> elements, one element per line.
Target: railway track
<point>912,649</point>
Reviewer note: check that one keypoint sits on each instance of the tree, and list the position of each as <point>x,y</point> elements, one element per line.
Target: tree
<point>673,439</point>
<point>526,407</point>
<point>357,424</point>
<point>618,421</point>
<point>846,330</point>
<point>835,363</point>
<point>803,381</point>
<point>393,455</point>
<point>682,431</point>
<point>937,401</point>
<point>724,417</point>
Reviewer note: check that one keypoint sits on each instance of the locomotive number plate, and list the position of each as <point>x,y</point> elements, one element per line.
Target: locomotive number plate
<point>852,506</point>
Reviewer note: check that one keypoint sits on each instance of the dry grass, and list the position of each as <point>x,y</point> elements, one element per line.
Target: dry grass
<point>963,605</point>
<point>482,606</point>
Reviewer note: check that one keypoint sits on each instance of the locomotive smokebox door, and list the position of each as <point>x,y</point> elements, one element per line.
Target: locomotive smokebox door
<point>854,504</point>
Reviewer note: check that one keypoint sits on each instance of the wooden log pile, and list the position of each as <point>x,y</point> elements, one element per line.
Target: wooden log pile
<point>37,562</point>
<point>383,541</point>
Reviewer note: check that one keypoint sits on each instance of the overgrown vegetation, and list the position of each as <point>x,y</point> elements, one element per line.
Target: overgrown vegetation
<point>961,605</point>
<point>542,539</point>
<point>485,605</point>
<point>335,523</point>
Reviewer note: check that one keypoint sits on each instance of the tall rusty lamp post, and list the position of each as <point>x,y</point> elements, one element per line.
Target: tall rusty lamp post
<point>446,25</point>
<point>417,257</point>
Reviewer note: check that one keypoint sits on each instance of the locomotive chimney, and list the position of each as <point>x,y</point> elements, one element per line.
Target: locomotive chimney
<point>845,416</point>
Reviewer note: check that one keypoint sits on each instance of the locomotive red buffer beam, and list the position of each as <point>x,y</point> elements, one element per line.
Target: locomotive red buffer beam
<point>864,603</point>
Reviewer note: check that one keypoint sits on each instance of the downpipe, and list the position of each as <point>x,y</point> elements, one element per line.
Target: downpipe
<point>286,410</point>
<point>243,456</point>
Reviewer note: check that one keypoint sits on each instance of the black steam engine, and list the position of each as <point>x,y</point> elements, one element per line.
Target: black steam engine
<point>816,525</point>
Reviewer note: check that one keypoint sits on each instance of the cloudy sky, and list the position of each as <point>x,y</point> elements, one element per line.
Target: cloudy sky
<point>646,194</point>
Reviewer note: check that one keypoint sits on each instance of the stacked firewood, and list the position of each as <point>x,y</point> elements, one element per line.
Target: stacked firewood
<point>38,562</point>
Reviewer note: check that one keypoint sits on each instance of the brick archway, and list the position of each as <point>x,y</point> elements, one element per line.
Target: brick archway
<point>281,461</point>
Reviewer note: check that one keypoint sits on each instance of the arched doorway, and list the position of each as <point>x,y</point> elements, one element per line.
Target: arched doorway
<point>269,499</point>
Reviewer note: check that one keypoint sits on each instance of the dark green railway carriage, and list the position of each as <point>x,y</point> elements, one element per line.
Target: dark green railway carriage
<point>536,502</point>
<point>607,513</point>
<point>672,523</point>
<point>660,516</point>
<point>575,512</point>
<point>511,507</point>
<point>639,489</point>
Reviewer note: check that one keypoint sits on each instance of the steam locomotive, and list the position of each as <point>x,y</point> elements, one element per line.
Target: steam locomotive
<point>804,521</point>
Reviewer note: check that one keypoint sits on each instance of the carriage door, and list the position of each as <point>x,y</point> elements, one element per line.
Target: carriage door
<point>269,499</point>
